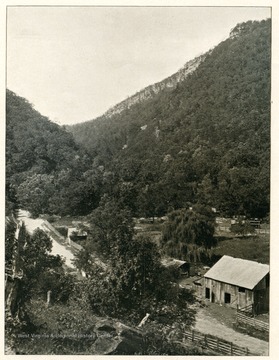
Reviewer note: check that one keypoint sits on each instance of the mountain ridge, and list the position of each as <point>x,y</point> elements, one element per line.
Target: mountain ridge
<point>205,139</point>
<point>152,90</point>
<point>210,130</point>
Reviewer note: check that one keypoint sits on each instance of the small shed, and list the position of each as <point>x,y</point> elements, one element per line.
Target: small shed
<point>183,266</point>
<point>238,283</point>
<point>75,234</point>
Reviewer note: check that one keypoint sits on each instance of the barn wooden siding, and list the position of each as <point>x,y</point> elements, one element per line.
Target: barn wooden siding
<point>217,291</point>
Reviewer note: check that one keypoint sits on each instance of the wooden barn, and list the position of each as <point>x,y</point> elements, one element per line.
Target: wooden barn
<point>238,283</point>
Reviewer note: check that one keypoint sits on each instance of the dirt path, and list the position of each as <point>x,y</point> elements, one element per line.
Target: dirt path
<point>57,249</point>
<point>209,325</point>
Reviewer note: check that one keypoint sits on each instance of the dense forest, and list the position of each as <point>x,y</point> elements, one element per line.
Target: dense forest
<point>206,140</point>
<point>44,166</point>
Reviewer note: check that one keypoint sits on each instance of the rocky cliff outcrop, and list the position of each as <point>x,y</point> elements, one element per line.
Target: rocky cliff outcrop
<point>152,90</point>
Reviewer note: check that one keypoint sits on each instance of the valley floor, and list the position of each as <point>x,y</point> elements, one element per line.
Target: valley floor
<point>212,319</point>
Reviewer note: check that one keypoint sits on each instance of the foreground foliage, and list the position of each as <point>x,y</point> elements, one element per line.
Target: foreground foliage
<point>31,272</point>
<point>72,329</point>
<point>128,284</point>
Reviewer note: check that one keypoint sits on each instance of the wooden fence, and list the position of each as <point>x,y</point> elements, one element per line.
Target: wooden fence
<point>251,321</point>
<point>214,343</point>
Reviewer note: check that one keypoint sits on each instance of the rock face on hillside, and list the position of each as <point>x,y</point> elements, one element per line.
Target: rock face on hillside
<point>152,90</point>
<point>116,338</point>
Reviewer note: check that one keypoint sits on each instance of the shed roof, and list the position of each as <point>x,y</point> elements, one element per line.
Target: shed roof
<point>173,262</point>
<point>239,272</point>
<point>76,231</point>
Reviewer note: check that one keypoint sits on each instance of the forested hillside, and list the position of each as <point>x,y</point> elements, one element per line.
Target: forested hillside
<point>207,140</point>
<point>44,166</point>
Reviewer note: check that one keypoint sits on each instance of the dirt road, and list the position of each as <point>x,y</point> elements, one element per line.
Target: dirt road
<point>210,325</point>
<point>57,249</point>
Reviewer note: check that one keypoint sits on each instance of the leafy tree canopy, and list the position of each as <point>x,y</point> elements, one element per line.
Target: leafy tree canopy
<point>134,282</point>
<point>189,231</point>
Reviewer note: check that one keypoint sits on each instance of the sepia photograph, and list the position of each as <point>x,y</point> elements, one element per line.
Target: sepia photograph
<point>137,180</point>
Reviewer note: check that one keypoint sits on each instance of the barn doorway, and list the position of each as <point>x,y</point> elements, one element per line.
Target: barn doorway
<point>213,297</point>
<point>227,298</point>
<point>207,293</point>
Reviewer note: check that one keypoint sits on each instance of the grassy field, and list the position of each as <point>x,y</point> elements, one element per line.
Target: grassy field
<point>255,248</point>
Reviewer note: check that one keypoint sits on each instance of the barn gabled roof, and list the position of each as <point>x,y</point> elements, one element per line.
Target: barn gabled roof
<point>239,272</point>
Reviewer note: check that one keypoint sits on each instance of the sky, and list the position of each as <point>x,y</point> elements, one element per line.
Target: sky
<point>74,63</point>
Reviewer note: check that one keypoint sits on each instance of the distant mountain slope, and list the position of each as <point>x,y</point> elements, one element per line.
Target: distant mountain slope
<point>206,139</point>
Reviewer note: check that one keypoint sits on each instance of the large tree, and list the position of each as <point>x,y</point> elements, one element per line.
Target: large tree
<point>188,232</point>
<point>136,284</point>
<point>133,282</point>
<point>111,226</point>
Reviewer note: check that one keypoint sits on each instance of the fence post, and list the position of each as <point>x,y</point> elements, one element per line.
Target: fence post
<point>217,344</point>
<point>247,351</point>
<point>231,348</point>
<point>205,340</point>
<point>193,335</point>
